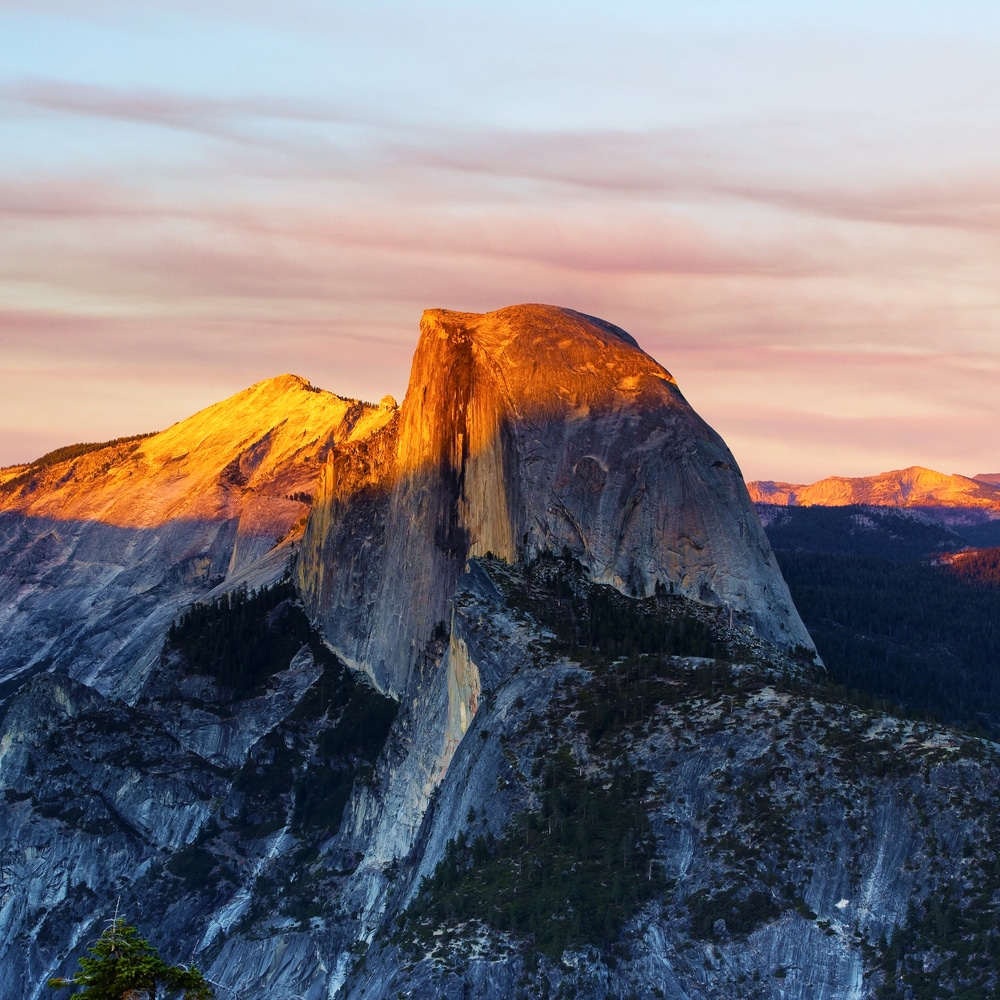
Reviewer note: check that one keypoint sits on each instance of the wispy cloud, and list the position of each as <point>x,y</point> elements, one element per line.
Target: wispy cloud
<point>193,112</point>
<point>744,163</point>
<point>242,120</point>
<point>837,262</point>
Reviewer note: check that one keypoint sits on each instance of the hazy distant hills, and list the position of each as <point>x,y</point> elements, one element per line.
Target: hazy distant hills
<point>896,578</point>
<point>931,511</point>
<point>860,530</point>
<point>912,487</point>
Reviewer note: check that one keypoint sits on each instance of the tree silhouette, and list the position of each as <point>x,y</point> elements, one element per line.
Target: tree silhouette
<point>123,966</point>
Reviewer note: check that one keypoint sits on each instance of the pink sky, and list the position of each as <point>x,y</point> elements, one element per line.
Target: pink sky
<point>797,214</point>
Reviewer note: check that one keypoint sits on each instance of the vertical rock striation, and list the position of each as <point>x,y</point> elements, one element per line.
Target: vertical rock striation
<point>527,429</point>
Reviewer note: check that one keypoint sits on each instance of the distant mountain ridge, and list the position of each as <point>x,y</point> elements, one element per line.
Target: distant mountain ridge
<point>912,487</point>
<point>896,578</point>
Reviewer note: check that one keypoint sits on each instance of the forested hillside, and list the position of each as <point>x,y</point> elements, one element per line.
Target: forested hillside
<point>896,611</point>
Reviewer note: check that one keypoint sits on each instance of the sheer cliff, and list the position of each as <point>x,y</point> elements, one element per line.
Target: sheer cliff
<point>528,429</point>
<point>602,759</point>
<point>99,550</point>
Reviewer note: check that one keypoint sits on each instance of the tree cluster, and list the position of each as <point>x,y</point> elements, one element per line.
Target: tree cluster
<point>915,634</point>
<point>121,965</point>
<point>242,637</point>
<point>567,875</point>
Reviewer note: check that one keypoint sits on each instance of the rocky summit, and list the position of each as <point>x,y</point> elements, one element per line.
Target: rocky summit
<point>100,546</point>
<point>526,430</point>
<point>913,487</point>
<point>497,693</point>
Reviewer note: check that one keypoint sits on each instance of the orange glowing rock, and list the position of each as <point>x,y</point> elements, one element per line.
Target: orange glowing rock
<point>253,457</point>
<point>912,487</point>
<point>527,429</point>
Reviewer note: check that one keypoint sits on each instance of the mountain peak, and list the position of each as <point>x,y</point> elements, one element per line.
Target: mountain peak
<point>281,383</point>
<point>536,320</point>
<point>543,349</point>
<point>255,448</point>
<point>914,486</point>
<point>526,430</point>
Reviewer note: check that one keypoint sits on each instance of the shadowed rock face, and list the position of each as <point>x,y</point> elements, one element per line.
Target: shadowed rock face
<point>525,429</point>
<point>99,551</point>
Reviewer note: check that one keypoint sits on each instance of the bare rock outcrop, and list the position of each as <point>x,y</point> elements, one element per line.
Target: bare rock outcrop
<point>528,429</point>
<point>100,549</point>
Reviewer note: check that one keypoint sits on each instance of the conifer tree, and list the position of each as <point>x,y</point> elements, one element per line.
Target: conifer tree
<point>122,966</point>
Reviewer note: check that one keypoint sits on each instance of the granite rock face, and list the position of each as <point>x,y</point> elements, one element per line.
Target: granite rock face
<point>552,566</point>
<point>99,552</point>
<point>787,837</point>
<point>793,835</point>
<point>528,429</point>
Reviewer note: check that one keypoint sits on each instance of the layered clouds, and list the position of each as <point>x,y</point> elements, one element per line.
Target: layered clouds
<point>799,216</point>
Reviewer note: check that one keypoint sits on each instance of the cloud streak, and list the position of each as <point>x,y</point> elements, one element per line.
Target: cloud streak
<point>198,113</point>
<point>742,163</point>
<point>208,236</point>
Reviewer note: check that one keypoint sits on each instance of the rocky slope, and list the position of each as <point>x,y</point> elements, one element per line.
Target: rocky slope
<point>99,550</point>
<point>621,814</point>
<point>189,809</point>
<point>610,765</point>
<point>684,827</point>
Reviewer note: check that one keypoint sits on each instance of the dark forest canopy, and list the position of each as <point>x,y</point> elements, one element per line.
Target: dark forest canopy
<point>894,614</point>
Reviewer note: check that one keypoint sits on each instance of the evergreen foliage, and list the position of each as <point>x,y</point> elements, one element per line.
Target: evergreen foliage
<point>858,530</point>
<point>121,963</point>
<point>344,753</point>
<point>66,454</point>
<point>978,568</point>
<point>71,451</point>
<point>565,876</point>
<point>948,946</point>
<point>597,622</point>
<point>911,633</point>
<point>628,694</point>
<point>983,534</point>
<point>242,637</point>
<point>742,906</point>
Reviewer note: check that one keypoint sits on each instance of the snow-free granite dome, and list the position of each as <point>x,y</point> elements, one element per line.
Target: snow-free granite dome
<point>530,428</point>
